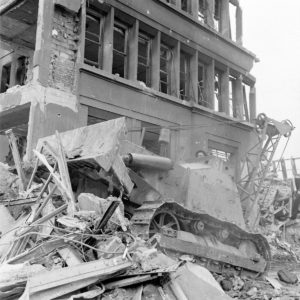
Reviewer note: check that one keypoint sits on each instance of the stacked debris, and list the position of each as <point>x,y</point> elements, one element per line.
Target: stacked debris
<point>71,239</point>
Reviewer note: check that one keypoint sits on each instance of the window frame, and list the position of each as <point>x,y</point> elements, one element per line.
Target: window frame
<point>122,26</point>
<point>201,87</point>
<point>186,73</point>
<point>168,72</point>
<point>148,65</point>
<point>101,17</point>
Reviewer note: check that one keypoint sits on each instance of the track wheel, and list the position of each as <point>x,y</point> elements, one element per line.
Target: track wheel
<point>163,219</point>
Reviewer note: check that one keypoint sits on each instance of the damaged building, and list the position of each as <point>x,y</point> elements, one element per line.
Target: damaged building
<point>179,65</point>
<point>133,164</point>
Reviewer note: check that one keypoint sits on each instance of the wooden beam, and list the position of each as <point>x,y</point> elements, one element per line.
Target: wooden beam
<point>17,159</point>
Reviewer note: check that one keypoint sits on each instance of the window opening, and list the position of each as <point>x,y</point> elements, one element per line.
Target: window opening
<point>21,70</point>
<point>151,137</point>
<point>201,74</point>
<point>5,78</point>
<point>202,11</point>
<point>217,14</point>
<point>165,69</point>
<point>184,76</point>
<point>225,156</point>
<point>186,5</point>
<point>93,41</point>
<point>120,50</point>
<point>144,59</point>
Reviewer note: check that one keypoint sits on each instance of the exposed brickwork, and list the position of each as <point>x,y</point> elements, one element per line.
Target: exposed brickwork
<point>64,49</point>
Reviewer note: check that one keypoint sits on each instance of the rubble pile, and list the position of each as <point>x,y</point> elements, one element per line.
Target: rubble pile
<point>67,231</point>
<point>71,239</point>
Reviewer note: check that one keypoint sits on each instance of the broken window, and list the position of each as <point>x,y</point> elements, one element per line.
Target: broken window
<point>93,40</point>
<point>217,14</point>
<point>201,74</point>
<point>184,76</point>
<point>202,11</point>
<point>22,63</point>
<point>5,78</point>
<point>144,59</point>
<point>165,69</point>
<point>186,5</point>
<point>120,50</point>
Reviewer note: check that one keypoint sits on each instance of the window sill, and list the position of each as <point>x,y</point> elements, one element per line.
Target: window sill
<point>140,86</point>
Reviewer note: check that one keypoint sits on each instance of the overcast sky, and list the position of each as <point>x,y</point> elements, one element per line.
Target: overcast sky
<point>272,32</point>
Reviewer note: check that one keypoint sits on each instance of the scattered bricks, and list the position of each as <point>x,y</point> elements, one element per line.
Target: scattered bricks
<point>287,276</point>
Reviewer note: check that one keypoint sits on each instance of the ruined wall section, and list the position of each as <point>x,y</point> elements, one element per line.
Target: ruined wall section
<point>64,47</point>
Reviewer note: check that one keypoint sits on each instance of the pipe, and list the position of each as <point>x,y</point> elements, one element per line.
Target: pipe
<point>147,161</point>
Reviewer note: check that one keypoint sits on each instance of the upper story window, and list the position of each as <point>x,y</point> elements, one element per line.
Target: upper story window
<point>217,14</point>
<point>14,73</point>
<point>165,69</point>
<point>144,59</point>
<point>93,40</point>
<point>120,50</point>
<point>186,5</point>
<point>184,76</point>
<point>201,78</point>
<point>202,11</point>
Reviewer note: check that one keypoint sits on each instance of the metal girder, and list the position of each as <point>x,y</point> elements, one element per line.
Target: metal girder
<point>257,162</point>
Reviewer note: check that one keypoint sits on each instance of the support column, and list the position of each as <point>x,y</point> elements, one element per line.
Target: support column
<point>42,54</point>
<point>175,68</point>
<point>13,70</point>
<point>194,78</point>
<point>252,103</point>
<point>210,12</point>
<point>239,26</point>
<point>108,35</point>
<point>155,60</point>
<point>195,8</point>
<point>238,97</point>
<point>225,21</point>
<point>133,50</point>
<point>210,85</point>
<point>224,83</point>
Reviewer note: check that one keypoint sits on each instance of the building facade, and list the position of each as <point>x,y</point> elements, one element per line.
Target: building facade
<point>177,65</point>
